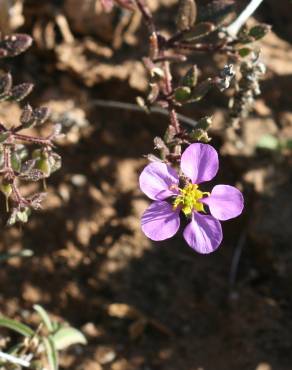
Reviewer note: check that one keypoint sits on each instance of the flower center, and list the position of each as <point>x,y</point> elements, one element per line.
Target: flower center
<point>189,199</point>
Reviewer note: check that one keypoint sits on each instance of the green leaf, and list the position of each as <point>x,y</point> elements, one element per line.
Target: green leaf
<point>66,336</point>
<point>16,326</point>
<point>244,52</point>
<point>51,352</point>
<point>14,349</point>
<point>182,94</point>
<point>205,123</point>
<point>191,77</point>
<point>15,161</point>
<point>259,31</point>
<point>269,142</point>
<point>201,90</point>
<point>287,144</point>
<point>200,135</point>
<point>55,162</point>
<point>4,136</point>
<point>44,316</point>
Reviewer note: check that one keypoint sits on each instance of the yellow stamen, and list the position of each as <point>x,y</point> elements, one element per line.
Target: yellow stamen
<point>189,199</point>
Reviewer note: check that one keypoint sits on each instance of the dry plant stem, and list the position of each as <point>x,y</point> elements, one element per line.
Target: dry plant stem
<point>134,107</point>
<point>8,170</point>
<point>7,158</point>
<point>147,16</point>
<point>14,360</point>
<point>168,86</point>
<point>165,65</point>
<point>220,47</point>
<point>175,38</point>
<point>235,259</point>
<point>234,27</point>
<point>31,139</point>
<point>170,58</point>
<point>19,199</point>
<point>168,90</point>
<point>174,120</point>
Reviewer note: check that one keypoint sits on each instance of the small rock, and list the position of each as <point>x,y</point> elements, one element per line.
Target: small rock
<point>78,180</point>
<point>105,355</point>
<point>122,364</point>
<point>91,330</point>
<point>264,366</point>
<point>89,365</point>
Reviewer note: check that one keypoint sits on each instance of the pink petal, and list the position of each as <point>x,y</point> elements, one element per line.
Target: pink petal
<point>225,202</point>
<point>159,181</point>
<point>160,221</point>
<point>203,233</point>
<point>200,162</point>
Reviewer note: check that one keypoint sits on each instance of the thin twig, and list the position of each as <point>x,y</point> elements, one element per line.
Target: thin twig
<point>134,107</point>
<point>147,16</point>
<point>174,120</point>
<point>220,47</point>
<point>7,157</point>
<point>236,258</point>
<point>16,192</point>
<point>170,58</point>
<point>32,139</point>
<point>168,90</point>
<point>234,27</point>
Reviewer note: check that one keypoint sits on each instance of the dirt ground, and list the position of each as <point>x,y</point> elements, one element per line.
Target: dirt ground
<point>144,305</point>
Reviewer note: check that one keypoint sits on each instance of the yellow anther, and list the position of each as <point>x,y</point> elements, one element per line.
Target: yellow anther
<point>189,199</point>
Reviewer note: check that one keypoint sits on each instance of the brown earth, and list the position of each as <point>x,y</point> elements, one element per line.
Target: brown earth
<point>143,305</point>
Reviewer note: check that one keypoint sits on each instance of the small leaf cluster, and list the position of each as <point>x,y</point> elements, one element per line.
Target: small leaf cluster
<point>39,347</point>
<point>17,162</point>
<point>251,70</point>
<point>169,94</point>
<point>247,37</point>
<point>247,87</point>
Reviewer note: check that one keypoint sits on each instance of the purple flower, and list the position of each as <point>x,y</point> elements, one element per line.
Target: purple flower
<point>161,220</point>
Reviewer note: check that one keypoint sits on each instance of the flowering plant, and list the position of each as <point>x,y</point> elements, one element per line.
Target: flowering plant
<point>159,181</point>
<point>174,192</point>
